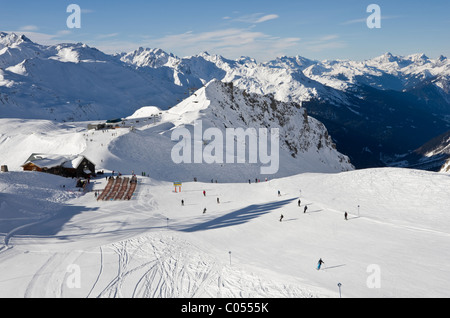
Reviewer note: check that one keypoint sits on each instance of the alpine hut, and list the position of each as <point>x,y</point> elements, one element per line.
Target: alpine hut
<point>72,166</point>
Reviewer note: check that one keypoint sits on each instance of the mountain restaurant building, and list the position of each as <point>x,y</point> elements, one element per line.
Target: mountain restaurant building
<point>74,166</point>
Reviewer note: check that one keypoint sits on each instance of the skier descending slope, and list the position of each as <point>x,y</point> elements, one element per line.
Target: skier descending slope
<point>319,264</point>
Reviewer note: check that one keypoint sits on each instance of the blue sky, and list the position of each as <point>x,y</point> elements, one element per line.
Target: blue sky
<point>322,29</point>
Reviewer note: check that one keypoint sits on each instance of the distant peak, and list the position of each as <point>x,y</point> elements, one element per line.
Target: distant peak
<point>389,56</point>
<point>153,51</point>
<point>245,59</point>
<point>13,38</point>
<point>419,56</point>
<point>143,57</point>
<point>24,38</point>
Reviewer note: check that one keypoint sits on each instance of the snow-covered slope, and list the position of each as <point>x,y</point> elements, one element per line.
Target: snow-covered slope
<point>19,138</point>
<point>63,243</point>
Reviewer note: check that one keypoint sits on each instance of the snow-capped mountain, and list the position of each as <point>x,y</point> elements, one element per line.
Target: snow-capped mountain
<point>304,143</point>
<point>153,58</point>
<point>375,110</point>
<point>386,72</point>
<point>70,82</point>
<point>282,77</point>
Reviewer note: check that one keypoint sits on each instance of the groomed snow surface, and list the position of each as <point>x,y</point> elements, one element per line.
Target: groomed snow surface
<point>59,242</point>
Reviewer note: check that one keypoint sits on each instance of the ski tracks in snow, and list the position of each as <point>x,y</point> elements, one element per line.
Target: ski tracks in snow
<point>166,266</point>
<point>159,267</point>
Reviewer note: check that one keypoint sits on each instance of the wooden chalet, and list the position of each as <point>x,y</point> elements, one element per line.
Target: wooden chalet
<point>76,166</point>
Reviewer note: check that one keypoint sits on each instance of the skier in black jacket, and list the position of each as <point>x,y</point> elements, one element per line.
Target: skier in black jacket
<point>319,264</point>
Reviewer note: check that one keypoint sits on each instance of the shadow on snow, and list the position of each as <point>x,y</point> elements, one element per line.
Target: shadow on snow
<point>238,217</point>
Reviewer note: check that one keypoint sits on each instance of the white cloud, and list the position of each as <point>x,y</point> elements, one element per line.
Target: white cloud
<point>106,36</point>
<point>329,37</point>
<point>326,42</point>
<point>29,28</point>
<point>254,18</point>
<point>267,18</point>
<point>231,43</point>
<point>62,33</point>
<point>364,20</point>
<point>354,21</point>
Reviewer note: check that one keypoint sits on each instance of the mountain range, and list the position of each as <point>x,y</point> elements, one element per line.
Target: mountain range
<point>376,111</point>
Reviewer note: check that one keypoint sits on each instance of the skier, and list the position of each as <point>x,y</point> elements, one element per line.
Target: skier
<point>218,201</point>
<point>204,193</point>
<point>182,202</point>
<point>204,210</point>
<point>279,193</point>
<point>346,215</point>
<point>281,217</point>
<point>306,208</point>
<point>299,203</point>
<point>319,264</point>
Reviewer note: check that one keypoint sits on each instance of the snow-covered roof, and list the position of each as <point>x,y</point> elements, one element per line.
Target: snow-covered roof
<point>50,161</point>
<point>73,163</point>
